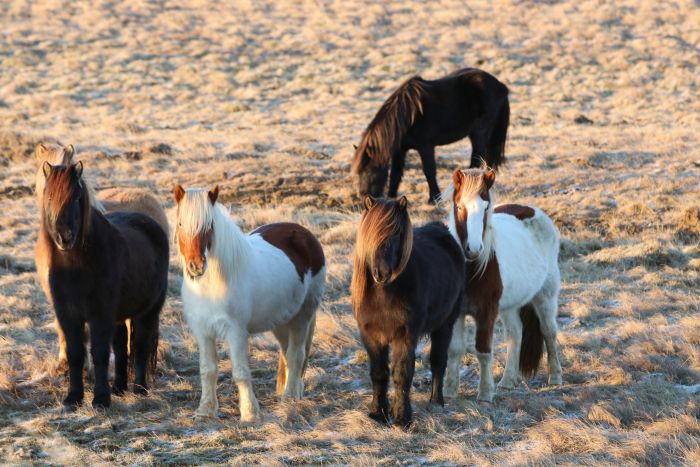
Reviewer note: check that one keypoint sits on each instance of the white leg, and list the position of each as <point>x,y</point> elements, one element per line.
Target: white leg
<point>238,343</point>
<point>208,404</point>
<point>454,358</point>
<point>514,336</point>
<point>486,386</point>
<point>546,309</point>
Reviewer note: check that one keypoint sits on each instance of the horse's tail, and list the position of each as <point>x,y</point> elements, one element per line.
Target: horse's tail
<point>532,345</point>
<point>497,142</point>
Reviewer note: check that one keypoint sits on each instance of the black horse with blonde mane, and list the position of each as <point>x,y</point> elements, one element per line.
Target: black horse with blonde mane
<point>102,270</point>
<point>406,283</point>
<point>422,114</point>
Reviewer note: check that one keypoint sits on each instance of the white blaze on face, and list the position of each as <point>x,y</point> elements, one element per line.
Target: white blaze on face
<point>476,210</point>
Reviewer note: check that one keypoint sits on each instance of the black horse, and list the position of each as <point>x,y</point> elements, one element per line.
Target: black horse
<point>406,282</point>
<point>102,271</point>
<point>423,114</point>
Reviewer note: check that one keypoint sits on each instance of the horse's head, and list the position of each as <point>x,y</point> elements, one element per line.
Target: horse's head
<point>472,206</point>
<point>194,229</point>
<point>369,172</point>
<point>66,204</point>
<point>385,238</point>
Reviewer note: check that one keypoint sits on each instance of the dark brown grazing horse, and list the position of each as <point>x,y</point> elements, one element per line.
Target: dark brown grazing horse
<point>406,283</point>
<point>422,114</point>
<point>101,271</point>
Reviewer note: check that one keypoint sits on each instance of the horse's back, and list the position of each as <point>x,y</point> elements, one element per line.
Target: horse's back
<point>527,248</point>
<point>437,260</point>
<point>135,200</point>
<point>300,246</point>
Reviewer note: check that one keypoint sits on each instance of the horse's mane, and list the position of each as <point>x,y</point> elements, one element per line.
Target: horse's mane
<point>376,225</point>
<point>56,155</point>
<point>392,120</point>
<point>230,251</point>
<point>59,186</point>
<point>473,185</point>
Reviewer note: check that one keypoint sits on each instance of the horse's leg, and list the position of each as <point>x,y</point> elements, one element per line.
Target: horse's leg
<point>403,360</point>
<point>208,403</point>
<point>62,365</point>
<point>120,345</point>
<point>484,352</point>
<point>144,342</point>
<point>479,139</point>
<point>281,333</point>
<point>238,342</point>
<point>456,351</point>
<point>427,157</point>
<point>101,336</point>
<point>398,161</point>
<point>74,332</point>
<point>514,336</point>
<point>440,342</point>
<point>379,373</point>
<point>546,308</point>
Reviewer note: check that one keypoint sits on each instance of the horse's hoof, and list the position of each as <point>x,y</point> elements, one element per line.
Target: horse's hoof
<point>555,380</point>
<point>504,384</point>
<point>69,408</point>
<point>119,389</point>
<point>101,401</point>
<point>379,416</point>
<point>140,390</point>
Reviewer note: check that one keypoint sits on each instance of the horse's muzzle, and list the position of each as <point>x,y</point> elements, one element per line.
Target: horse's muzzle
<point>195,270</point>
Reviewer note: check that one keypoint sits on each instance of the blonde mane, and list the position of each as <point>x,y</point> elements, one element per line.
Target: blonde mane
<point>56,155</point>
<point>473,185</point>
<point>230,251</point>
<point>376,225</point>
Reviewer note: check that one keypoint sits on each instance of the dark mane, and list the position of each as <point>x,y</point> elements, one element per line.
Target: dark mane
<point>60,190</point>
<point>376,225</point>
<point>391,122</point>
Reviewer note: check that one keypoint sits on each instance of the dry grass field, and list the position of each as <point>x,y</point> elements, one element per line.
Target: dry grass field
<point>266,99</point>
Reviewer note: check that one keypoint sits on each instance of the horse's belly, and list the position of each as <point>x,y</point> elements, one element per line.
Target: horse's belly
<point>276,309</point>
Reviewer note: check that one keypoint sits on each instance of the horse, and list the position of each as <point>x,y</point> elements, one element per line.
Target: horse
<point>511,252</point>
<point>102,270</point>
<point>235,285</point>
<point>110,200</point>
<point>422,114</point>
<point>406,282</point>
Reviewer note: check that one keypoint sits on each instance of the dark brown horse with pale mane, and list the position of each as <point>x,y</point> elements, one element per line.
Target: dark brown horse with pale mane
<point>102,270</point>
<point>406,282</point>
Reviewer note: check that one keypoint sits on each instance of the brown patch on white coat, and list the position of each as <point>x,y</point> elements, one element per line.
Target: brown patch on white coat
<point>298,243</point>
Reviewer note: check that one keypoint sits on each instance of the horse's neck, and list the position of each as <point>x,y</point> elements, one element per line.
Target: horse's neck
<point>231,250</point>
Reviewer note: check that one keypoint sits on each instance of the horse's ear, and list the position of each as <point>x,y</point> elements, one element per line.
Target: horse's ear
<point>68,153</point>
<point>403,202</point>
<point>46,168</point>
<point>78,167</point>
<point>489,178</point>
<point>179,193</point>
<point>457,178</point>
<point>40,152</point>
<point>213,194</point>
<point>369,202</point>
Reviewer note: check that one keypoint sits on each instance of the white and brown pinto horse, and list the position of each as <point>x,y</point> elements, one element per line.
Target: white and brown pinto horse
<point>512,271</point>
<point>236,285</point>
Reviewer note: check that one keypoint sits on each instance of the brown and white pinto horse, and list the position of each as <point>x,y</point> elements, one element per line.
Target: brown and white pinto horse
<point>236,285</point>
<point>106,201</point>
<point>512,270</point>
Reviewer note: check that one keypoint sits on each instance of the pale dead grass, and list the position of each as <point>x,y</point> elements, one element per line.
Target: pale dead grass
<point>266,100</point>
